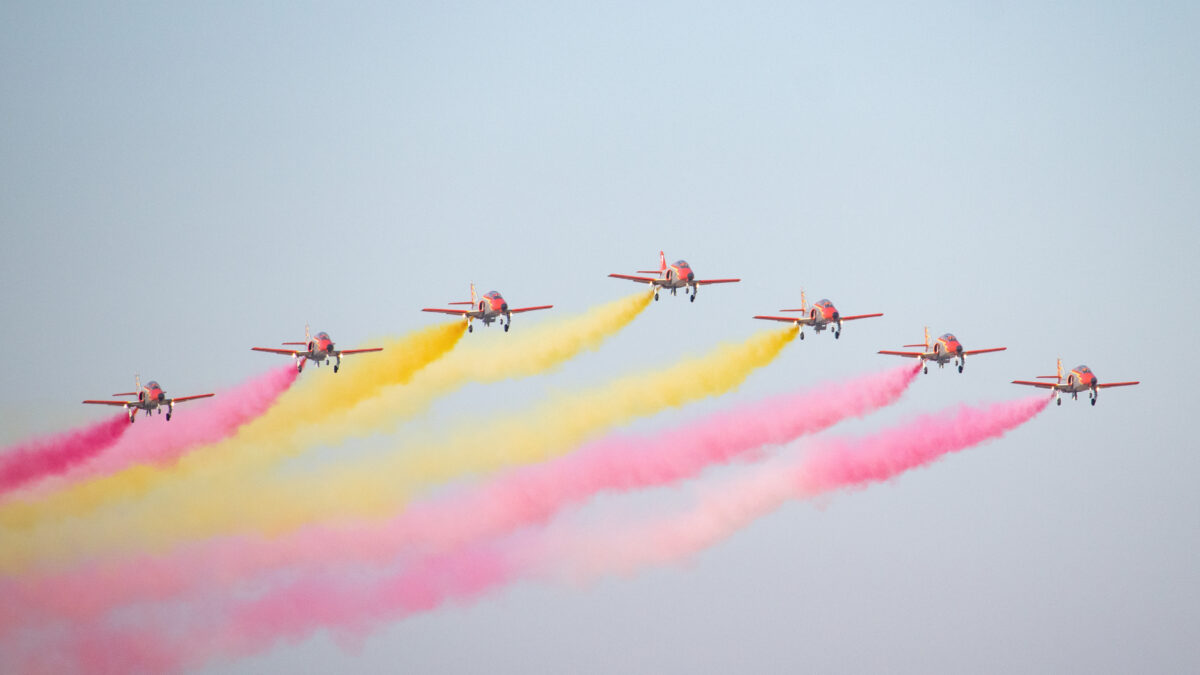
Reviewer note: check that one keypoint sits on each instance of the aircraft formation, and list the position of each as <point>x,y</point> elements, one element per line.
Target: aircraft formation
<point>491,307</point>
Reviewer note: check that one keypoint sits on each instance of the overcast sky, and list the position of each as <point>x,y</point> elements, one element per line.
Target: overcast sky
<point>180,184</point>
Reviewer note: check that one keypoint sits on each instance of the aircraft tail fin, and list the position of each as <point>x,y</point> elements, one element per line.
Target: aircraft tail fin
<point>662,265</point>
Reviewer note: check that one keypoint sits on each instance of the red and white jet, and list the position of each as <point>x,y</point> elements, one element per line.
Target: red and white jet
<point>487,309</point>
<point>316,348</point>
<point>941,351</point>
<point>149,398</point>
<point>674,277</point>
<point>1080,379</point>
<point>820,316</point>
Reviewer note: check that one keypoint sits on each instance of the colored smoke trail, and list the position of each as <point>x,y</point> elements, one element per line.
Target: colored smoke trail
<point>518,498</point>
<point>379,487</point>
<point>537,350</point>
<point>45,457</point>
<point>522,353</point>
<point>355,606</point>
<point>259,443</point>
<point>352,606</point>
<point>192,425</point>
<point>830,465</point>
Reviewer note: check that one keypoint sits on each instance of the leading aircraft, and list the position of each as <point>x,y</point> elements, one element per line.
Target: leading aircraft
<point>820,316</point>
<point>487,309</point>
<point>1081,378</point>
<point>941,351</point>
<point>674,277</point>
<point>149,398</point>
<point>316,348</point>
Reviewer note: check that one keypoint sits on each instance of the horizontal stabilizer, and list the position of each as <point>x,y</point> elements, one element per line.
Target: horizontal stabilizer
<point>285,352</point>
<point>1116,384</point>
<point>1040,385</point>
<point>181,399</point>
<point>528,309</point>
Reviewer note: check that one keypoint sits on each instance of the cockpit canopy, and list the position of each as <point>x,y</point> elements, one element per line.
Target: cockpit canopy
<point>323,336</point>
<point>949,337</point>
<point>1083,369</point>
<point>824,302</point>
<point>492,294</point>
<point>682,263</point>
<point>152,385</point>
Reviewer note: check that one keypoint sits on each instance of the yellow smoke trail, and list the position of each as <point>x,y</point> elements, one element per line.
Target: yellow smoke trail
<point>379,488</point>
<point>258,443</point>
<point>361,396</point>
<point>530,352</point>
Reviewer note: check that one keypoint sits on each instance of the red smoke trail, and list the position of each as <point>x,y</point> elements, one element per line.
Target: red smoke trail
<point>830,465</point>
<point>356,606</point>
<point>41,458</point>
<point>193,424</point>
<point>351,606</point>
<point>517,498</point>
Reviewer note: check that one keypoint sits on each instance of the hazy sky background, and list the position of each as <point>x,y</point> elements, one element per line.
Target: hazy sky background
<point>180,184</point>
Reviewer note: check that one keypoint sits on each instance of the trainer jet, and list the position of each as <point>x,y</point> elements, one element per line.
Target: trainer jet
<point>489,308</point>
<point>318,348</point>
<point>149,398</point>
<point>1080,379</point>
<point>822,315</point>
<point>942,351</point>
<point>674,277</point>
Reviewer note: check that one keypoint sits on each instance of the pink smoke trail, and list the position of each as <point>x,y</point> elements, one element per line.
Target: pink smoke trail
<point>159,442</point>
<point>517,498</point>
<point>296,610</point>
<point>353,606</point>
<point>831,464</point>
<point>40,458</point>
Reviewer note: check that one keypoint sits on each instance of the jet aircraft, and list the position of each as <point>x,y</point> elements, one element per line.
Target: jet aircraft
<point>1081,378</point>
<point>822,315</point>
<point>941,351</point>
<point>490,307</point>
<point>674,277</point>
<point>149,398</point>
<point>317,348</point>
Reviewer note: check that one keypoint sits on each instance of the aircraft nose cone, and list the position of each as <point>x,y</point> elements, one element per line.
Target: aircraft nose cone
<point>958,349</point>
<point>161,396</point>
<point>691,276</point>
<point>504,307</point>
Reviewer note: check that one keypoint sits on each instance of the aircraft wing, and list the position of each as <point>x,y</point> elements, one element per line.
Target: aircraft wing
<point>911,355</point>
<point>343,352</point>
<point>630,277</point>
<point>120,403</point>
<point>705,282</point>
<point>1116,384</point>
<point>286,352</point>
<point>1040,385</point>
<point>789,319</point>
<point>528,309</point>
<point>181,399</point>
<point>984,351</point>
<point>861,316</point>
<point>456,312</point>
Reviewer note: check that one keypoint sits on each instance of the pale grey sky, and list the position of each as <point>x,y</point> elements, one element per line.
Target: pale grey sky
<point>178,184</point>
